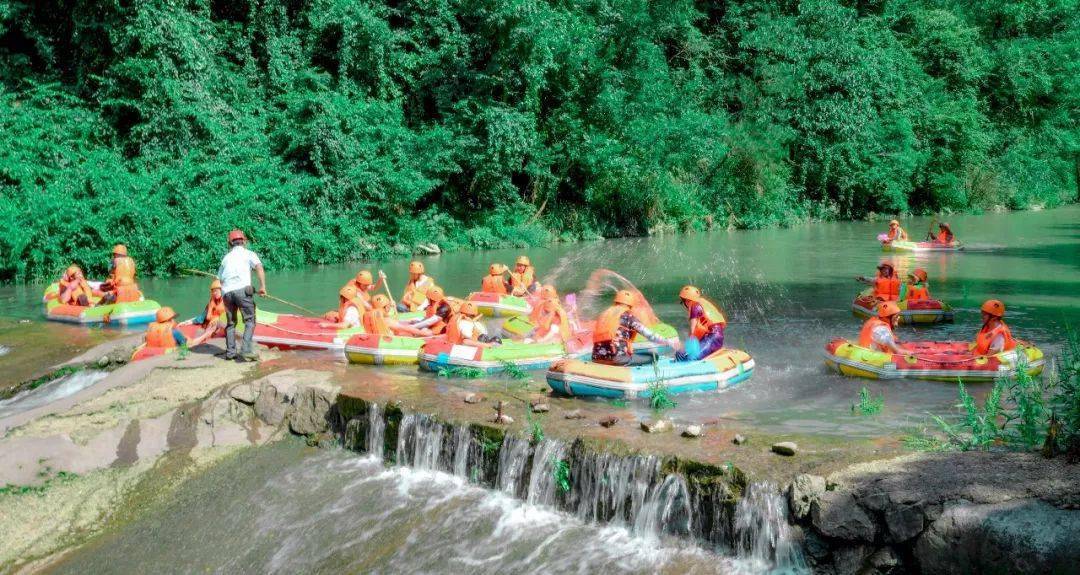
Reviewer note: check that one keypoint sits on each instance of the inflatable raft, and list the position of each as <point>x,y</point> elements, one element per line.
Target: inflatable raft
<point>520,326</point>
<point>722,370</point>
<point>118,314</point>
<point>937,361</point>
<point>286,331</point>
<point>189,330</point>
<point>916,312</point>
<point>903,246</point>
<point>495,305</point>
<point>374,349</point>
<point>439,354</point>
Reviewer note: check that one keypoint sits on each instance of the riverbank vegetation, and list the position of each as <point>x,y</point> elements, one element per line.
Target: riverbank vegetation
<point>332,130</point>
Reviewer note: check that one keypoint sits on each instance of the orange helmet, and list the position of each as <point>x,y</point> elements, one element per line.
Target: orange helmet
<point>886,264</point>
<point>165,314</point>
<point>435,294</point>
<point>894,223</point>
<point>495,269</point>
<point>919,274</point>
<point>380,301</point>
<point>944,226</point>
<point>523,261</point>
<point>416,268</point>
<point>994,307</point>
<point>348,292</point>
<point>548,293</point>
<point>690,293</point>
<point>468,309</point>
<point>236,235</point>
<point>887,309</point>
<point>364,278</point>
<point>72,270</point>
<point>216,284</point>
<point>119,250</point>
<point>625,297</point>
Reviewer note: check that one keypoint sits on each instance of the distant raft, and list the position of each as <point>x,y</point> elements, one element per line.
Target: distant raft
<point>722,370</point>
<point>117,314</point>
<point>496,305</point>
<point>917,312</point>
<point>905,246</point>
<point>374,349</point>
<point>950,361</point>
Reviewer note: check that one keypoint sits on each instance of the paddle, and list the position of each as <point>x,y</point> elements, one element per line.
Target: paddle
<point>930,232</point>
<point>386,286</point>
<point>267,296</point>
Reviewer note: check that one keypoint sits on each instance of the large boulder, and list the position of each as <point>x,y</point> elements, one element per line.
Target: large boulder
<point>803,492</point>
<point>1019,536</point>
<point>836,514</point>
<point>312,408</point>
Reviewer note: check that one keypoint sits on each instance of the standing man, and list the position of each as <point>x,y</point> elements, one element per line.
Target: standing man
<point>235,276</point>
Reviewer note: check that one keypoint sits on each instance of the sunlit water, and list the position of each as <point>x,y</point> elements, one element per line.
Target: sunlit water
<point>284,509</point>
<point>787,292</point>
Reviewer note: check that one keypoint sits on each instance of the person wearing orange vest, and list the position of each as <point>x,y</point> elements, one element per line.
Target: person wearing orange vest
<point>350,309</point>
<point>212,320</point>
<point>466,328</point>
<point>886,284</point>
<point>364,285</point>
<point>896,232</point>
<point>944,236</point>
<point>994,337</point>
<point>163,333</point>
<point>916,288</point>
<point>74,289</point>
<point>523,278</point>
<point>707,323</point>
<point>494,282</point>
<point>437,313</point>
<point>415,296</point>
<point>877,332</point>
<point>380,320</point>
<point>615,331</point>
<point>551,320</point>
<point>121,286</point>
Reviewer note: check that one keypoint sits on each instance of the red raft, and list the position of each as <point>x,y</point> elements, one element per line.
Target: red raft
<point>932,360</point>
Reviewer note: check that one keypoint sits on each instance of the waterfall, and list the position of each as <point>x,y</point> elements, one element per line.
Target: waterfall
<point>376,431</point>
<point>603,485</point>
<point>762,533</point>
<point>513,457</point>
<point>420,442</point>
<point>666,509</point>
<point>463,446</point>
<point>543,485</point>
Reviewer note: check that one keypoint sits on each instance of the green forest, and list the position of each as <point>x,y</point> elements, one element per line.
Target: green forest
<point>335,130</point>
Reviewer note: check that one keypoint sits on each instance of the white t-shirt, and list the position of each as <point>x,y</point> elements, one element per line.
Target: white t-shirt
<point>235,270</point>
<point>471,329</point>
<point>352,316</point>
<point>883,336</point>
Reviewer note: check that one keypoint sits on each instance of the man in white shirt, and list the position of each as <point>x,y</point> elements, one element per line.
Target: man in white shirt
<point>235,276</point>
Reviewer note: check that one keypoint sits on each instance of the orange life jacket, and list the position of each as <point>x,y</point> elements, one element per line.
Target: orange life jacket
<point>607,325</point>
<point>887,289</point>
<point>215,308</point>
<point>70,290</point>
<point>866,336</point>
<point>453,329</point>
<point>375,322</point>
<point>123,272</point>
<point>414,295</point>
<point>945,237</point>
<point>987,335</point>
<point>344,306</point>
<point>440,326</point>
<point>161,335</point>
<point>897,234</point>
<point>700,326</point>
<point>917,292</point>
<point>550,313</point>
<point>493,284</point>
<point>521,282</point>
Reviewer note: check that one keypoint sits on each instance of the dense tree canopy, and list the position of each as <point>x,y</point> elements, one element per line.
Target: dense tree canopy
<point>341,129</point>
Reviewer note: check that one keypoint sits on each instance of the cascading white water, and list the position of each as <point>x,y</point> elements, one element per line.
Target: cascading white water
<point>462,446</point>
<point>376,431</point>
<point>52,391</point>
<point>666,509</point>
<point>512,459</point>
<point>603,484</point>
<point>420,441</point>
<point>543,484</point>
<point>762,533</point>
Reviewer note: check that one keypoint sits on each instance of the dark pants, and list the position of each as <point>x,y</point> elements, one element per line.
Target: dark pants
<point>710,344</point>
<point>638,358</point>
<point>243,300</point>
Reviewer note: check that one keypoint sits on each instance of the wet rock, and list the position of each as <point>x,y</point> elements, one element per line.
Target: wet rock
<point>609,421</point>
<point>311,409</point>
<point>803,493</point>
<point>836,514</point>
<point>739,439</point>
<point>692,431</point>
<point>903,522</point>
<point>884,561</point>
<point>574,414</point>
<point>540,407</point>
<point>656,426</point>
<point>850,560</point>
<point>276,392</point>
<point>119,356</point>
<point>473,398</point>
<point>427,249</point>
<point>103,361</point>
<point>244,393</point>
<point>503,419</point>
<point>788,448</point>
<point>1018,536</point>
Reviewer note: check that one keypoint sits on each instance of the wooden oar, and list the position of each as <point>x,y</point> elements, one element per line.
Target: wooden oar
<point>386,286</point>
<point>267,296</point>
<point>930,232</point>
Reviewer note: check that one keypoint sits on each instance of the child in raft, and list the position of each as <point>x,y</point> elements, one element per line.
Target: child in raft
<point>466,328</point>
<point>380,320</point>
<point>944,236</point>
<point>495,282</point>
<point>915,288</point>
<point>74,289</point>
<point>707,324</point>
<point>895,233</point>
<point>552,323</point>
<point>616,330</point>
<point>886,284</point>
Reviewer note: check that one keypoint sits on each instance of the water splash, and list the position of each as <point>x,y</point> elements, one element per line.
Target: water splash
<point>604,280</point>
<point>667,509</point>
<point>420,441</point>
<point>4,350</point>
<point>53,391</point>
<point>376,431</point>
<point>543,485</point>
<point>762,532</point>
<point>513,456</point>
